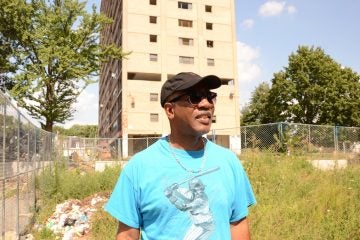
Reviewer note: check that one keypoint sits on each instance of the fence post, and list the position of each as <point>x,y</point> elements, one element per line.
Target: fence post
<point>18,178</point>
<point>34,171</point>
<point>119,156</point>
<point>125,145</point>
<point>245,140</point>
<point>309,138</point>
<point>84,157</point>
<point>280,134</point>
<point>213,135</point>
<point>28,162</point>
<point>4,174</point>
<point>68,148</point>
<point>336,138</point>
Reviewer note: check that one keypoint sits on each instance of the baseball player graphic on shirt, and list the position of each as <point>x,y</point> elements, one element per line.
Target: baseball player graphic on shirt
<point>194,201</point>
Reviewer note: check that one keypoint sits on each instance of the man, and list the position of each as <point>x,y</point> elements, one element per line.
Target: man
<point>184,186</point>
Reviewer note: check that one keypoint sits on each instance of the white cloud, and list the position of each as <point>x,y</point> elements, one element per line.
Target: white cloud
<point>247,23</point>
<point>86,108</point>
<point>274,7</point>
<point>246,53</point>
<point>249,72</point>
<point>291,9</point>
<point>247,69</point>
<point>271,8</point>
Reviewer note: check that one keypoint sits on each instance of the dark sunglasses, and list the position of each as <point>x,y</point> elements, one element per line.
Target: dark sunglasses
<point>194,98</point>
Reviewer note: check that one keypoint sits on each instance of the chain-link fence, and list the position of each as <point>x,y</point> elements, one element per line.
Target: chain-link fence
<point>330,141</point>
<point>313,140</point>
<point>99,152</point>
<point>25,149</point>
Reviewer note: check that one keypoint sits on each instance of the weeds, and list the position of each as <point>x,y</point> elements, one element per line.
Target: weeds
<point>57,184</point>
<point>295,201</point>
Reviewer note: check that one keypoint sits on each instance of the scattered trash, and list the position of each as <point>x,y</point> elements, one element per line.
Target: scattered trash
<point>71,218</point>
<point>29,237</point>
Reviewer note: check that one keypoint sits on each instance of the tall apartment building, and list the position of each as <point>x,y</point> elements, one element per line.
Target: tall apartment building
<point>166,37</point>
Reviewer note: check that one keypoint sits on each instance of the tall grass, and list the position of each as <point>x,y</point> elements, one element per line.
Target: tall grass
<point>57,184</point>
<point>296,201</point>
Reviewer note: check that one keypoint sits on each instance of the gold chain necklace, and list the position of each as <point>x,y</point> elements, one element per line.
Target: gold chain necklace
<point>181,165</point>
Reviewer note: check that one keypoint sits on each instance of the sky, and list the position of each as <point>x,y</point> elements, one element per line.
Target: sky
<point>267,33</point>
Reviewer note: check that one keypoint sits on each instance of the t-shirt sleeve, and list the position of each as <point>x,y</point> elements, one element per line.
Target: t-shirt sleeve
<point>123,202</point>
<point>244,196</point>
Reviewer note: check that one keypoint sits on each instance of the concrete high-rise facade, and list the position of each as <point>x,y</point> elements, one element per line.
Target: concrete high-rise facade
<point>166,37</point>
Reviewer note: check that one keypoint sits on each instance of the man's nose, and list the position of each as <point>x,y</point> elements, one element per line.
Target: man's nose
<point>205,103</point>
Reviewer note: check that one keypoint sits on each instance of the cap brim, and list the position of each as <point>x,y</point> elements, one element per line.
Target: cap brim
<point>212,81</point>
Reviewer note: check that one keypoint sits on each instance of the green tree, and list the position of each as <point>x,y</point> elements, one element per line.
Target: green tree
<point>314,89</point>
<point>55,46</point>
<point>254,112</point>
<point>6,66</point>
<point>86,131</point>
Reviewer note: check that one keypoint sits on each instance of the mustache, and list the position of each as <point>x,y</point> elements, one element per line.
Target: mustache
<point>207,113</point>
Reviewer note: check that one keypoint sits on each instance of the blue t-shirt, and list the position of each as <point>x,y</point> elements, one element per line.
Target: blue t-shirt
<point>155,194</point>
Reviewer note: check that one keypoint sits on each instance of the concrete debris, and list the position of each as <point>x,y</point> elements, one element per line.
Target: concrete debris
<point>329,164</point>
<point>71,218</point>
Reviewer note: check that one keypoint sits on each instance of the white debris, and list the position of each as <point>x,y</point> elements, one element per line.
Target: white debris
<point>71,218</point>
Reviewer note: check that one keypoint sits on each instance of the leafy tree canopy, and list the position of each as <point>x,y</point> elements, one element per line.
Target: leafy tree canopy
<point>312,89</point>
<point>55,48</point>
<point>6,66</point>
<point>255,113</point>
<point>86,131</point>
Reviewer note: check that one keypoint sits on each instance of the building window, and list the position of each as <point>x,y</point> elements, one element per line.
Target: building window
<point>210,62</point>
<point>154,97</point>
<point>210,44</point>
<point>153,38</point>
<point>186,41</point>
<point>152,2</point>
<point>186,60</point>
<point>209,26</point>
<point>185,23</point>
<point>153,57</point>
<point>184,5</point>
<point>154,117</point>
<point>208,8</point>
<point>152,19</point>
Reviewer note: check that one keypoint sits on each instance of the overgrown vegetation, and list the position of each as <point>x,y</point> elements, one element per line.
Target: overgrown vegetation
<point>295,201</point>
<point>57,184</point>
<point>85,131</point>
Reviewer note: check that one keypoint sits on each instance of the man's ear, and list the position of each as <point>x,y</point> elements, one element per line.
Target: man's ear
<point>169,110</point>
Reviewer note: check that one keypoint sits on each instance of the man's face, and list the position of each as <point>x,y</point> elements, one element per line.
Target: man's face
<point>193,111</point>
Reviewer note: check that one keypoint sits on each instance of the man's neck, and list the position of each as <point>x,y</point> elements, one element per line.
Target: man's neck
<point>190,143</point>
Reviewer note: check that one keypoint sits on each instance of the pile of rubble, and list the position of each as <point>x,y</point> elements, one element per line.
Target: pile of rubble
<point>71,218</point>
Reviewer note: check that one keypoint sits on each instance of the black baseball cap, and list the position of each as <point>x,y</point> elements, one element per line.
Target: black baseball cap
<point>186,80</point>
